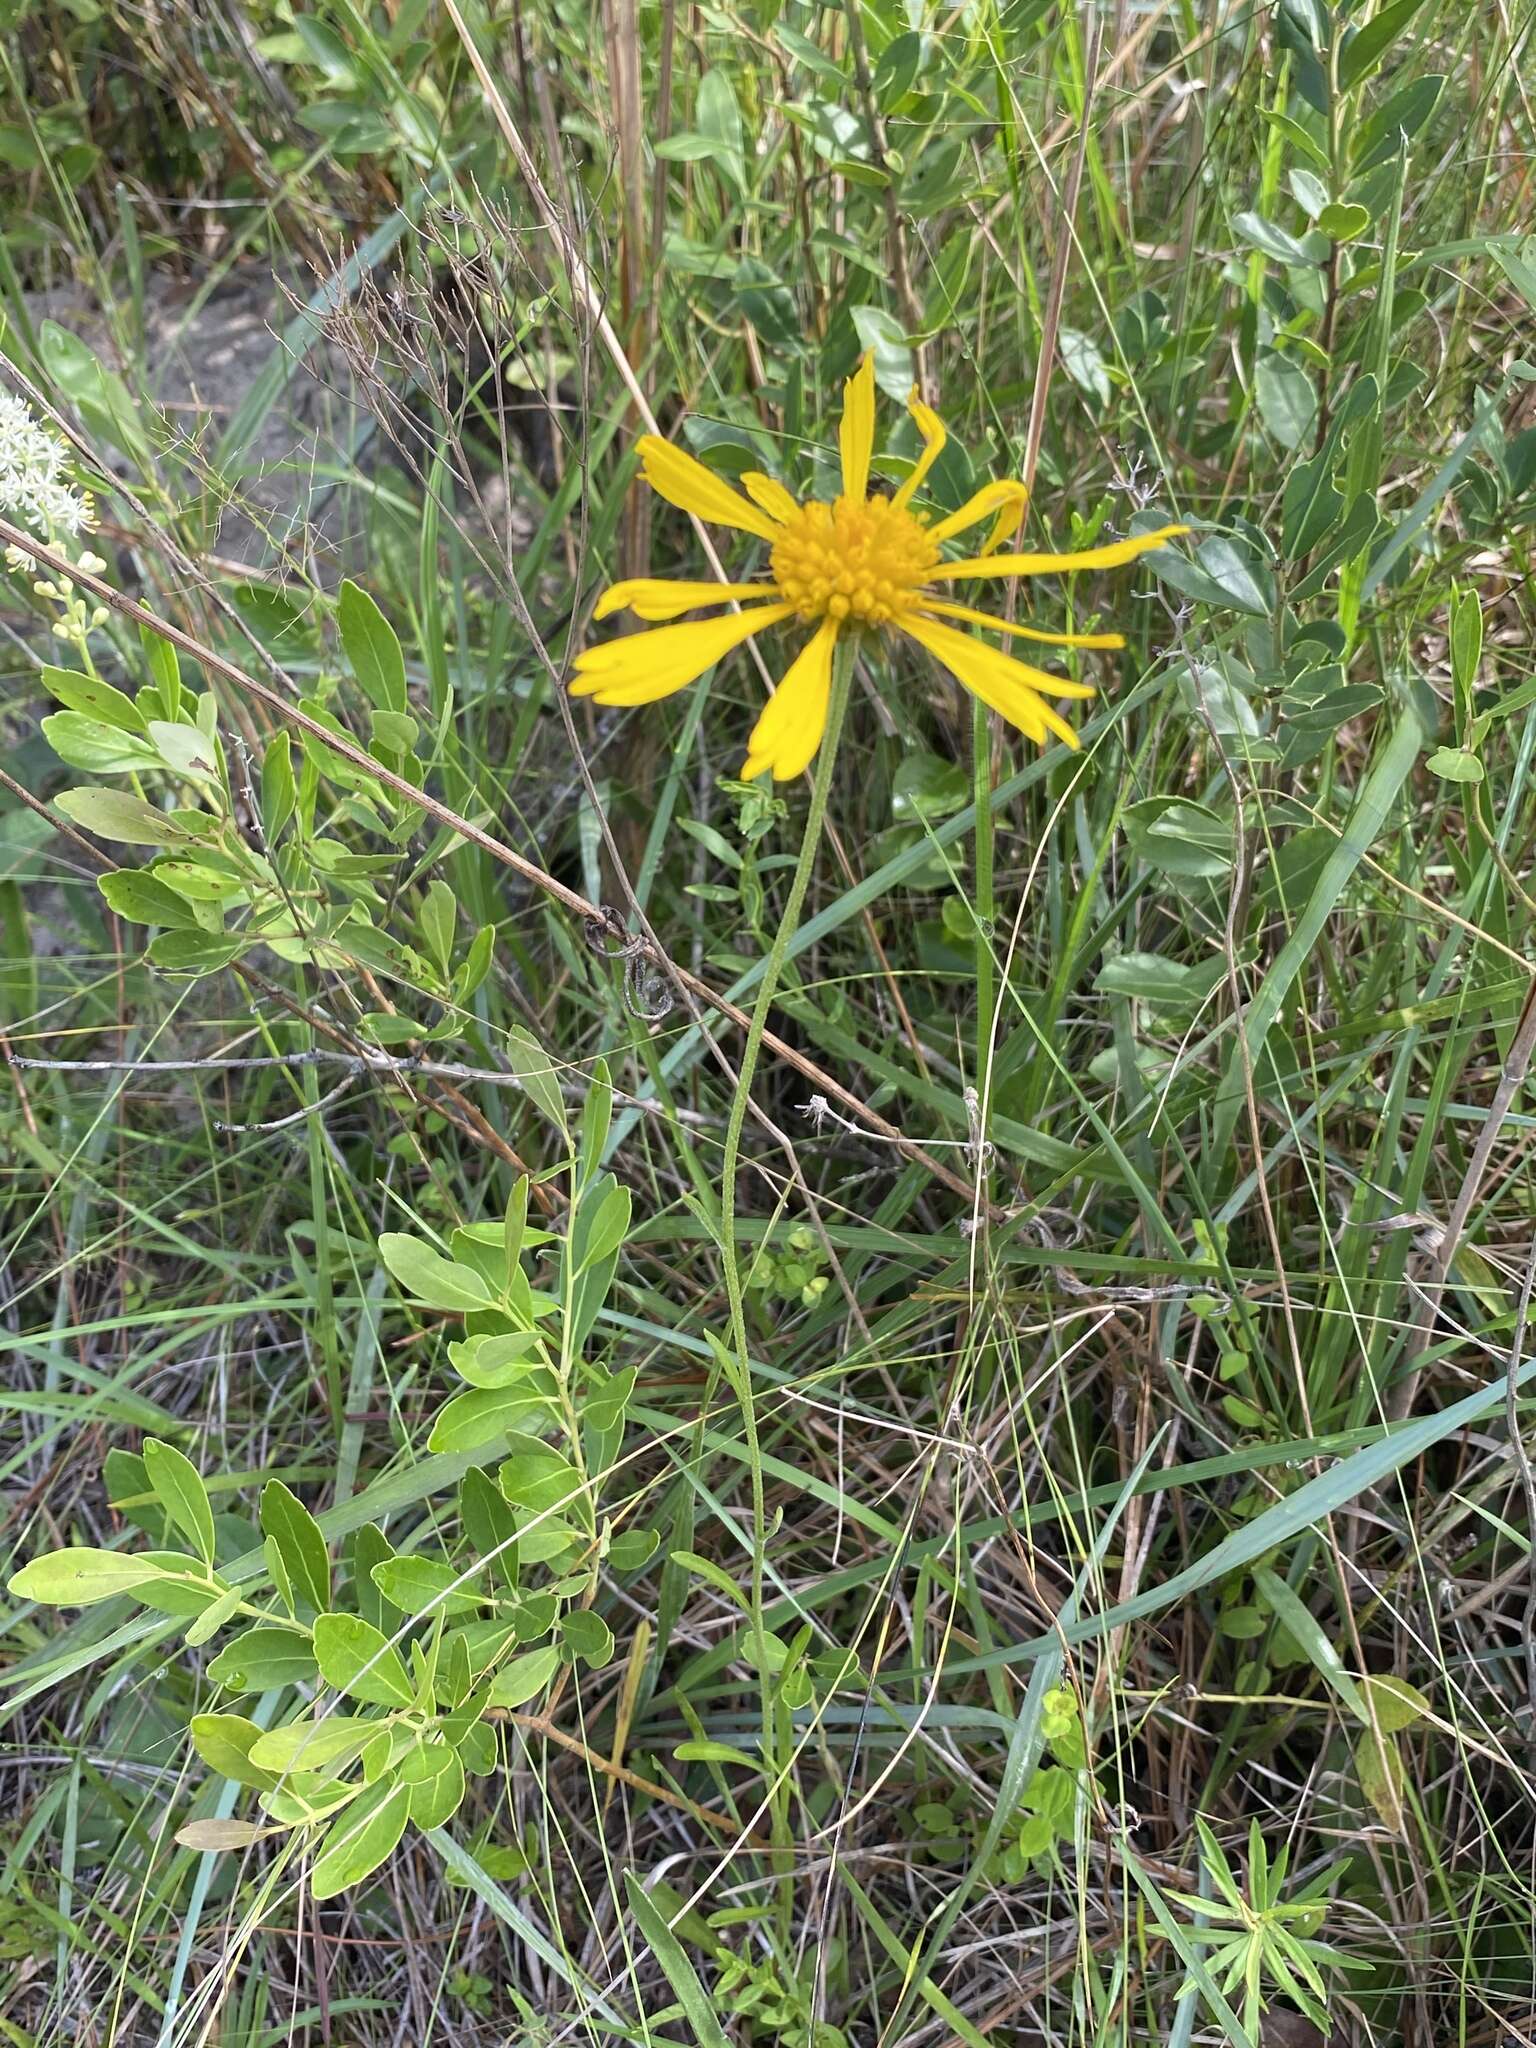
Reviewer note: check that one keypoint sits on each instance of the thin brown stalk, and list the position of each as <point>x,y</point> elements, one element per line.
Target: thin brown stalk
<point>1517,1062</point>
<point>536,1724</point>
<point>895,239</point>
<point>1066,235</point>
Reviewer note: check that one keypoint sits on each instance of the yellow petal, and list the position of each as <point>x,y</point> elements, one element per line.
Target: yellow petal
<point>1005,498</point>
<point>640,667</point>
<point>787,735</point>
<point>856,435</point>
<point>1007,669</point>
<point>1107,557</point>
<point>1058,725</point>
<point>972,617</point>
<point>654,598</point>
<point>1007,523</point>
<point>693,488</point>
<point>1009,687</point>
<point>770,494</point>
<point>931,427</point>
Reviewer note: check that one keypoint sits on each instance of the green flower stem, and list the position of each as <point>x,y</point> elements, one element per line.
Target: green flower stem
<point>984,913</point>
<point>842,678</point>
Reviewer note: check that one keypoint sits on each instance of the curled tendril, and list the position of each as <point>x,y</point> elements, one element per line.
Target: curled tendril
<point>648,993</point>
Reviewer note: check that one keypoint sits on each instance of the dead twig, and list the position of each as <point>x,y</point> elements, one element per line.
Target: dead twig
<point>536,1724</point>
<point>1400,1399</point>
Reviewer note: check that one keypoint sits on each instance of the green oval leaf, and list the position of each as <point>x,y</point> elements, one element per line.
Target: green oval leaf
<point>484,1415</point>
<point>533,1067</point>
<point>1455,764</point>
<point>524,1677</point>
<point>1365,47</point>
<point>423,1585</point>
<point>224,1742</point>
<point>1394,1703</point>
<point>95,698</point>
<point>536,1478</point>
<point>95,747</point>
<point>143,898</point>
<point>1179,837</point>
<point>264,1658</point>
<point>297,1536</point>
<point>924,786</point>
<point>430,1278</point>
<point>1286,400</point>
<point>437,1799</point>
<point>587,1636</point>
<point>358,1660</point>
<point>81,1576</point>
<point>179,1487</point>
<point>500,1360</point>
<point>361,1838</point>
<point>1342,221</point>
<point>194,952</point>
<point>313,1745</point>
<point>372,648</point>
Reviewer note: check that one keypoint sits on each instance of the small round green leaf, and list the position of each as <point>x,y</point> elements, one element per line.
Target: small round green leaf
<point>588,1636</point>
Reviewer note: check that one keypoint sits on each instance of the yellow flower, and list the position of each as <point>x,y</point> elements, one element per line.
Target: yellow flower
<point>859,563</point>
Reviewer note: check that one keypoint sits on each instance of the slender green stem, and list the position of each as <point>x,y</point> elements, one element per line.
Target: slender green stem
<point>325,1304</point>
<point>985,911</point>
<point>842,677</point>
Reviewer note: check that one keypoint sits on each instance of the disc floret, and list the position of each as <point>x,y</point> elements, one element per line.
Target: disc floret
<point>860,560</point>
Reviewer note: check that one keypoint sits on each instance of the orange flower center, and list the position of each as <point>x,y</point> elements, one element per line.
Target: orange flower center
<point>853,561</point>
